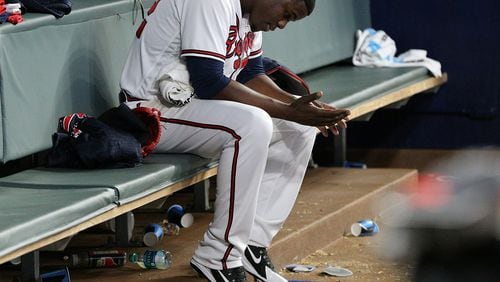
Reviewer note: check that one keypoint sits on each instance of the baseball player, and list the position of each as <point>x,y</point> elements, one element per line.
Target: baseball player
<point>262,135</point>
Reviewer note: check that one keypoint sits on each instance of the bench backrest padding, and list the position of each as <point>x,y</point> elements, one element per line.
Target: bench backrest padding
<point>50,68</point>
<point>325,37</point>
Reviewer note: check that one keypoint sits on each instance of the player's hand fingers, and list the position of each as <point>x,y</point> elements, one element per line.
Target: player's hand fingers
<point>325,106</point>
<point>323,130</point>
<point>342,123</point>
<point>308,99</point>
<point>341,115</point>
<point>334,129</point>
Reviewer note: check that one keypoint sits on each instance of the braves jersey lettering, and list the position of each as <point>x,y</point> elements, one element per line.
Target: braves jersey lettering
<point>138,33</point>
<point>238,47</point>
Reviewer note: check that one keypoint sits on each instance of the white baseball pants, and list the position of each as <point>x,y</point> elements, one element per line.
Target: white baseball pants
<point>262,162</point>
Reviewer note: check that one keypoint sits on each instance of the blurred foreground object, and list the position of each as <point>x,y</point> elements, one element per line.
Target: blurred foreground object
<point>448,224</point>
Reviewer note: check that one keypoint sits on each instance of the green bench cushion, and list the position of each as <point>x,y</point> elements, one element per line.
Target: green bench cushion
<point>157,172</point>
<point>32,214</point>
<point>347,86</point>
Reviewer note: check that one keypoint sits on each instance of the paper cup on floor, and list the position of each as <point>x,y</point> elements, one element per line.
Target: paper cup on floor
<point>366,227</point>
<point>177,215</point>
<point>153,234</point>
<point>337,271</point>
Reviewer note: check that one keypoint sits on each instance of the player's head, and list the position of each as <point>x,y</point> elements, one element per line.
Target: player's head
<point>310,6</point>
<point>268,15</point>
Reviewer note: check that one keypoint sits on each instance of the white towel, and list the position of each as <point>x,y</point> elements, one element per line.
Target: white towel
<point>13,8</point>
<point>377,49</point>
<point>174,87</point>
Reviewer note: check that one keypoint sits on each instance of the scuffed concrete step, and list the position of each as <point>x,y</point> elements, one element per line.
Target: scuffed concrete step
<point>330,201</point>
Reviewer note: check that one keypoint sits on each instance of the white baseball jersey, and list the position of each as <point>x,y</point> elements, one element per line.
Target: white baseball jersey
<point>173,29</point>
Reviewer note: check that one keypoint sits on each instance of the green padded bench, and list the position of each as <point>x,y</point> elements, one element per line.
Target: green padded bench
<point>374,88</point>
<point>129,184</point>
<point>41,206</point>
<point>30,214</point>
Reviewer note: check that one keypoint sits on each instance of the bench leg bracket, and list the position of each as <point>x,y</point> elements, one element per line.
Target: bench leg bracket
<point>123,224</point>
<point>201,199</point>
<point>339,148</point>
<point>122,227</point>
<point>30,266</point>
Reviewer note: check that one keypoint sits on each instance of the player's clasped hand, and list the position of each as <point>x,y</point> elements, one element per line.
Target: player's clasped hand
<point>311,111</point>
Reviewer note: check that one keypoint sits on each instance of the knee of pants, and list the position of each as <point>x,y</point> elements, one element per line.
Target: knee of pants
<point>256,125</point>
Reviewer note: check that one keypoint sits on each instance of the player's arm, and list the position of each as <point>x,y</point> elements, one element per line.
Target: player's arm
<point>263,84</point>
<point>209,82</point>
<point>253,76</point>
<point>300,110</point>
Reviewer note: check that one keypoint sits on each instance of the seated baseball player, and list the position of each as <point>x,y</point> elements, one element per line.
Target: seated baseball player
<point>262,135</point>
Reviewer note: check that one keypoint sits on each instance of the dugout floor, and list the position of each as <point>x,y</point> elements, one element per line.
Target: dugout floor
<point>316,232</point>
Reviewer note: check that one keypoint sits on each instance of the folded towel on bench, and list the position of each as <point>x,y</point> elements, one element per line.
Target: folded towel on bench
<point>377,49</point>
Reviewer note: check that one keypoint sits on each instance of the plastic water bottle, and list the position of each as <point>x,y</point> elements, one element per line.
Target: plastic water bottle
<point>159,259</point>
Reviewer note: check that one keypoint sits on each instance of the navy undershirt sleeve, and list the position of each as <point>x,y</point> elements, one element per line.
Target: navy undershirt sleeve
<point>206,76</point>
<point>253,68</point>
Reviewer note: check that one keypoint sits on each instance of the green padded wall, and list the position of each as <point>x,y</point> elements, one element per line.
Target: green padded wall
<point>324,37</point>
<point>49,68</point>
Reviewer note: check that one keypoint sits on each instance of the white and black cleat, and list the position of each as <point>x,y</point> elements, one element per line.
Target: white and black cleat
<point>236,274</point>
<point>256,262</point>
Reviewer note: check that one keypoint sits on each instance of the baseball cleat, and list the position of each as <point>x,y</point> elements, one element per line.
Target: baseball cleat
<point>256,262</point>
<point>236,274</point>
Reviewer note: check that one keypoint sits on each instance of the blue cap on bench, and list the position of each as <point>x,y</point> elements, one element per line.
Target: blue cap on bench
<point>58,8</point>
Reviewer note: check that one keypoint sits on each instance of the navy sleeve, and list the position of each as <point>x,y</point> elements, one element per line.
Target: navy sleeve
<point>206,76</point>
<point>252,69</point>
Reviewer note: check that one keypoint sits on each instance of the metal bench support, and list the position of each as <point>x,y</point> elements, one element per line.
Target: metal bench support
<point>339,148</point>
<point>30,267</point>
<point>201,192</point>
<point>122,227</point>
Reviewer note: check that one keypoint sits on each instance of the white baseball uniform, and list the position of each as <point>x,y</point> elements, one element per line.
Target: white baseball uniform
<point>262,160</point>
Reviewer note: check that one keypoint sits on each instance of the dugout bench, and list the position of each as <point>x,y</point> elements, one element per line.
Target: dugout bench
<point>49,68</point>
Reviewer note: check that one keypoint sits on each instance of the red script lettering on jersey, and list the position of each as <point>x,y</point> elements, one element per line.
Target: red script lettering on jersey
<point>236,46</point>
<point>144,22</point>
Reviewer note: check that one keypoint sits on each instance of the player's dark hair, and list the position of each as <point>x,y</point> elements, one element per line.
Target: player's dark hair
<point>310,6</point>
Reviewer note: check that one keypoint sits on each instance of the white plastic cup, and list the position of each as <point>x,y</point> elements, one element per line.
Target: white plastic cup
<point>153,234</point>
<point>177,215</point>
<point>365,227</point>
